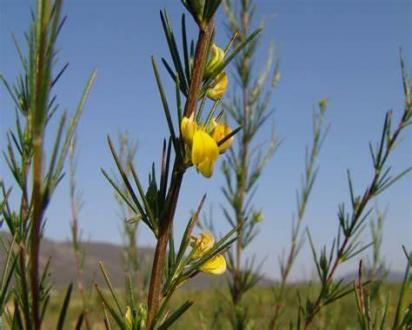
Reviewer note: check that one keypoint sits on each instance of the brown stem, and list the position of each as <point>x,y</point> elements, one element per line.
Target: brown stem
<point>24,211</point>
<point>25,298</point>
<point>242,176</point>
<point>160,252</point>
<point>36,229</point>
<point>200,60</point>
<point>40,104</point>
<point>165,223</point>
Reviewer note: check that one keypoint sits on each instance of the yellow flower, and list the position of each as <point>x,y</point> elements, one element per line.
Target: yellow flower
<point>204,152</point>
<point>216,59</point>
<point>215,265</point>
<point>188,128</point>
<point>203,243</point>
<point>219,133</point>
<point>218,88</point>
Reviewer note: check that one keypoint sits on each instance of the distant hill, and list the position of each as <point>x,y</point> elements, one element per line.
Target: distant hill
<point>391,277</point>
<point>63,264</point>
<point>63,268</point>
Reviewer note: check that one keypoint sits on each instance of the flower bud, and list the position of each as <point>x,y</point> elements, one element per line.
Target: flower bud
<point>216,59</point>
<point>188,128</point>
<point>128,318</point>
<point>203,243</point>
<point>217,90</point>
<point>257,216</point>
<point>323,103</point>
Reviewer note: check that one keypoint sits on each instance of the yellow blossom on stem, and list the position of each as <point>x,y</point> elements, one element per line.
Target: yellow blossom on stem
<point>204,152</point>
<point>219,133</point>
<point>217,56</point>
<point>188,127</point>
<point>214,266</point>
<point>216,91</point>
<point>201,245</point>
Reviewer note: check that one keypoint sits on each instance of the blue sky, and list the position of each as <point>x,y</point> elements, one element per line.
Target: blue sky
<point>347,51</point>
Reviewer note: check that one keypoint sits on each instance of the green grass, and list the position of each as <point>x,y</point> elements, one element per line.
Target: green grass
<point>208,312</point>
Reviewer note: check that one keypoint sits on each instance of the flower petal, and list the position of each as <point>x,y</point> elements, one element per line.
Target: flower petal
<point>218,89</point>
<point>204,152</point>
<point>188,128</point>
<point>215,265</point>
<point>203,243</point>
<point>216,58</point>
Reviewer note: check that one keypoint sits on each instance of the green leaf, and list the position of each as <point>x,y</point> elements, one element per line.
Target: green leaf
<point>118,318</point>
<point>65,306</point>
<point>174,52</point>
<point>110,286</point>
<point>165,107</point>
<point>142,194</point>
<point>402,292</point>
<point>186,55</point>
<point>175,315</point>
<point>73,125</point>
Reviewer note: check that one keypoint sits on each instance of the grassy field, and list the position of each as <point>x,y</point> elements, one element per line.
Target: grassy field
<point>209,310</point>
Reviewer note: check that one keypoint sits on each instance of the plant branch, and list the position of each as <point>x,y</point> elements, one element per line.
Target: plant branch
<point>200,59</point>
<point>165,223</point>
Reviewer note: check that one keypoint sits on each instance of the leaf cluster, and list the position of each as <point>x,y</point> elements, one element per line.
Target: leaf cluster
<point>202,11</point>
<point>346,245</point>
<point>370,317</point>
<point>181,266</point>
<point>35,106</point>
